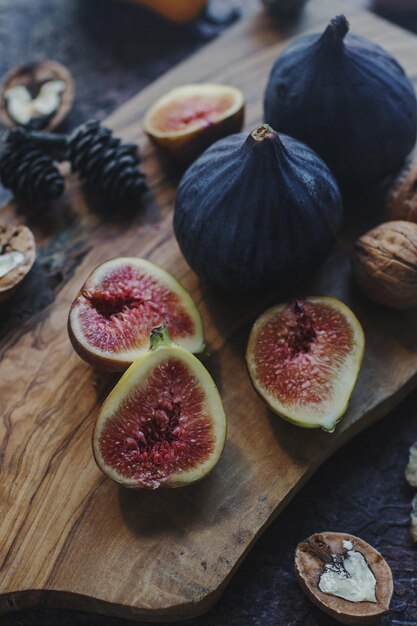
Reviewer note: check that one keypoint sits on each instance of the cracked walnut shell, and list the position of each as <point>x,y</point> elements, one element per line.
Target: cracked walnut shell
<point>17,255</point>
<point>31,78</point>
<point>385,264</point>
<point>329,549</point>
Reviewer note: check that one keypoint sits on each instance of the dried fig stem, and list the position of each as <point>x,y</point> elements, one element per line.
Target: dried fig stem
<point>339,25</point>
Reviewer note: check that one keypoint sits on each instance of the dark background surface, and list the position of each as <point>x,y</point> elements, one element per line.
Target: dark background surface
<point>113,54</point>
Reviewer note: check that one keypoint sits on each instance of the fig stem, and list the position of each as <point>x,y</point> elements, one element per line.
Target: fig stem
<point>159,337</point>
<point>265,131</point>
<point>338,27</point>
<point>262,132</point>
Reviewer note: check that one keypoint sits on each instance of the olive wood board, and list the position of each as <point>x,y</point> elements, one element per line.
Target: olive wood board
<point>69,537</point>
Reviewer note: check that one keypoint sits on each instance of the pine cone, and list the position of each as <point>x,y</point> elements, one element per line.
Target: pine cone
<point>26,170</point>
<point>107,165</point>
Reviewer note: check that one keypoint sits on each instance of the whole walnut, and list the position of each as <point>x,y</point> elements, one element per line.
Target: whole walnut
<point>385,264</point>
<point>402,197</point>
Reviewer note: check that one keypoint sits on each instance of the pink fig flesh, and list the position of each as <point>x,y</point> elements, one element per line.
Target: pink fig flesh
<point>160,429</point>
<point>304,359</point>
<point>163,424</point>
<point>120,303</point>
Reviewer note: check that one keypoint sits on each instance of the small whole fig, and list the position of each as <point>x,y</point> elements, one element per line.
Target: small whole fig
<point>385,264</point>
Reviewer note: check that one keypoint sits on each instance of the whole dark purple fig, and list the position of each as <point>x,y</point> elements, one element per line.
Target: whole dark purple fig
<point>346,98</point>
<point>256,212</point>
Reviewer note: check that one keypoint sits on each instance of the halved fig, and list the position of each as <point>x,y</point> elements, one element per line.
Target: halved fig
<point>163,424</point>
<point>304,358</point>
<point>119,304</point>
<point>188,119</point>
<point>344,576</point>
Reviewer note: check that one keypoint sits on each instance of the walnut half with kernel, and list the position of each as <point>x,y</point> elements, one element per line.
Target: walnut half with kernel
<point>17,255</point>
<point>344,576</point>
<point>385,264</point>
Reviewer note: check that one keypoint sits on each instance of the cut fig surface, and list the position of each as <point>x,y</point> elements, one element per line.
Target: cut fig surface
<point>119,304</point>
<point>331,553</point>
<point>163,424</point>
<point>304,358</point>
<point>189,118</point>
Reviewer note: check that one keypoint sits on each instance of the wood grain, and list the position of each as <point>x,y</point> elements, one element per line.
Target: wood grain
<point>70,537</point>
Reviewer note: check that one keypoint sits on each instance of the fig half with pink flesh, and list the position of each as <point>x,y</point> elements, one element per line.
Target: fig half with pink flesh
<point>304,358</point>
<point>188,119</point>
<point>163,424</point>
<point>121,301</point>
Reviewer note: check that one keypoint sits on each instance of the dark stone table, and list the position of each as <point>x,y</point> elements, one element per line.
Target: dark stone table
<point>361,490</point>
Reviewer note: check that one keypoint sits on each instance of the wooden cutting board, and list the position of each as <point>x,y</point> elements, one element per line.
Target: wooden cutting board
<point>69,537</point>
